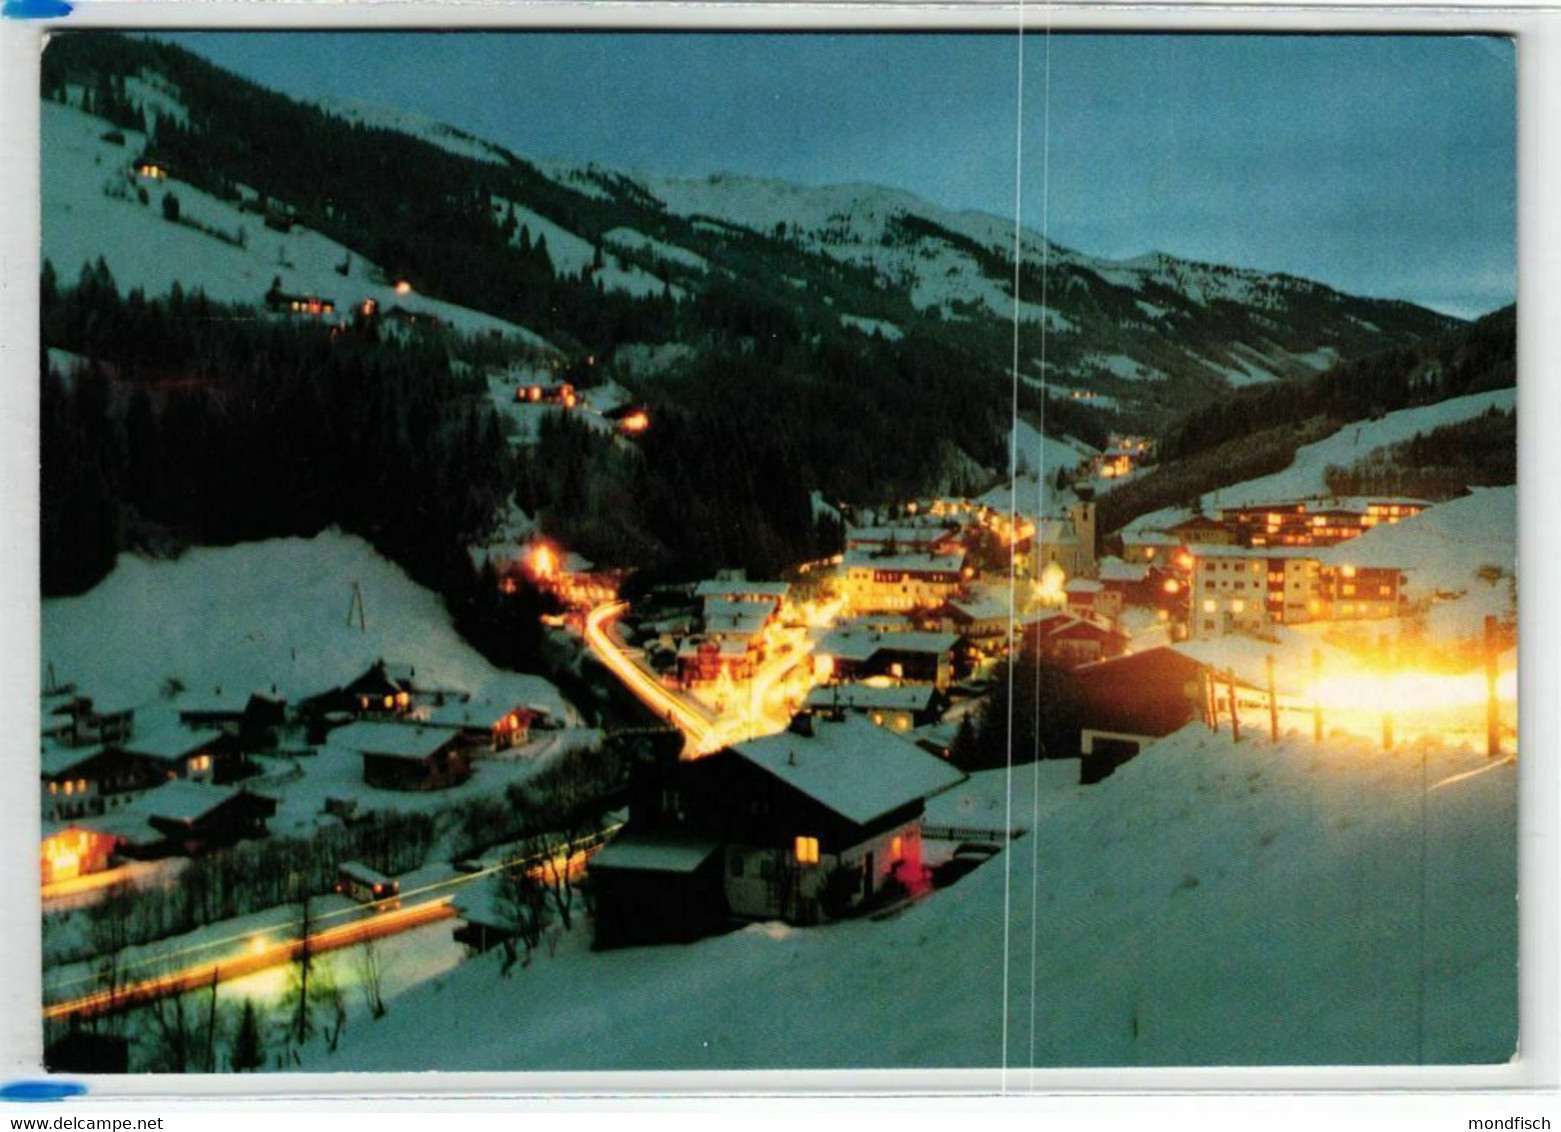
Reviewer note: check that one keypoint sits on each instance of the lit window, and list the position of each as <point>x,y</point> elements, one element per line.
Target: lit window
<point>807,850</point>
<point>1238,606</point>
<point>896,848</point>
<point>1348,571</point>
<point>1210,605</point>
<point>70,788</point>
<point>1349,590</point>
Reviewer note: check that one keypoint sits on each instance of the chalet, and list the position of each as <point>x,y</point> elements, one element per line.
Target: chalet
<point>561,393</point>
<point>1069,641</point>
<point>250,720</point>
<point>983,619</point>
<point>182,753</point>
<point>404,756</point>
<point>78,782</point>
<point>899,707</point>
<point>1200,530</point>
<point>704,660</point>
<point>848,653</point>
<point>1092,598</point>
<point>77,720</point>
<point>801,826</point>
<point>1149,546</point>
<point>498,726</point>
<point>282,302</point>
<point>741,590</point>
<point>1127,702</point>
<point>904,538</point>
<point>69,850</point>
<point>151,167</point>
<point>878,581</point>
<point>194,818</point>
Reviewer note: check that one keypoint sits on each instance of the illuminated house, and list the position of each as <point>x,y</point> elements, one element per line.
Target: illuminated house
<point>496,726</point>
<point>78,782</point>
<point>802,826</point>
<point>706,660</point>
<point>67,851</point>
<point>741,590</point>
<point>304,304</point>
<point>1200,530</point>
<point>402,756</point>
<point>1068,641</point>
<point>182,753</point>
<point>150,167</point>
<point>899,707</point>
<point>877,581</point>
<point>851,653</point>
<point>560,393</point>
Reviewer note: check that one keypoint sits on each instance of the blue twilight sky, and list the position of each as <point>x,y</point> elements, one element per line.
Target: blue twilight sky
<point>1382,165</point>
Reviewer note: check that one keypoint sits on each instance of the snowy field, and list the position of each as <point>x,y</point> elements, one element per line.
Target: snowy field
<point>1208,904</point>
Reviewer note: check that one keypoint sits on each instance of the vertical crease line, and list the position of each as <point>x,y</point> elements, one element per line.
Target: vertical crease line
<point>1039,541</point>
<point>1013,507</point>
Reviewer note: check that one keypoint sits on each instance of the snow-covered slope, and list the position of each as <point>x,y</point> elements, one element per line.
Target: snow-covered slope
<point>434,132</point>
<point>1263,905</point>
<point>1306,477</point>
<point>91,209</point>
<point>249,616</point>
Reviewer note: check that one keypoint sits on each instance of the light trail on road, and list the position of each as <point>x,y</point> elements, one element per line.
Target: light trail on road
<point>645,686</point>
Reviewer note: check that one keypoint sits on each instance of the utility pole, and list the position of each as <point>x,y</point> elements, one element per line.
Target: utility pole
<point>356,606</point>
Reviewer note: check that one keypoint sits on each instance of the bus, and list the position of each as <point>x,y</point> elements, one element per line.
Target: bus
<point>366,886</point>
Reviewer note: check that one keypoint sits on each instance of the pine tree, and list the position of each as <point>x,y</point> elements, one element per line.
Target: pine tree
<point>248,1053</point>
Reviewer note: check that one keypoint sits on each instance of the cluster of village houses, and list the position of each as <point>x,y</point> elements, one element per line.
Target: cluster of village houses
<point>827,814</point>
<point>894,638</point>
<point>122,782</point>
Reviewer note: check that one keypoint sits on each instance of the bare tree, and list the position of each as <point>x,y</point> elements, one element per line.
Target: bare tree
<point>522,903</point>
<point>370,969</point>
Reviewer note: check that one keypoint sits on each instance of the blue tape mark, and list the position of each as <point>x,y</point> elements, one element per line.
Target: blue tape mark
<point>41,1091</point>
<point>36,9</point>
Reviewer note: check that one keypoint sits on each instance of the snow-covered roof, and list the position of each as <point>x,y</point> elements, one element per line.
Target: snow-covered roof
<point>1245,552</point>
<point>58,759</point>
<point>851,767</point>
<point>911,563</point>
<point>1145,537</point>
<point>744,618</point>
<point>393,740</point>
<point>181,801</point>
<point>723,588</point>
<point>170,744</point>
<point>1115,570</point>
<point>860,644</point>
<point>1083,586</point>
<point>476,714</point>
<point>893,697</point>
<point>647,853</point>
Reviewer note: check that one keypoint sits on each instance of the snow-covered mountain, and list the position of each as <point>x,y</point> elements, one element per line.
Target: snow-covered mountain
<point>1148,335</point>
